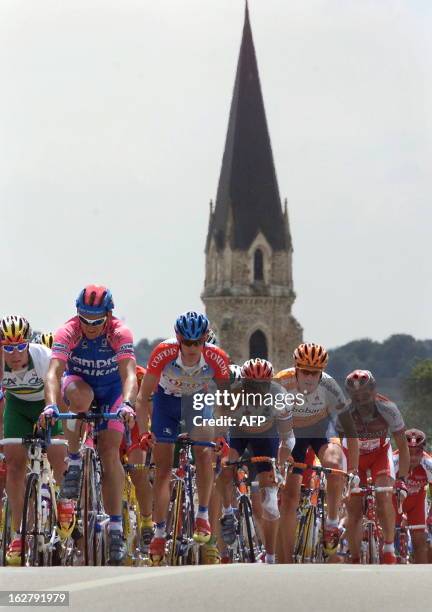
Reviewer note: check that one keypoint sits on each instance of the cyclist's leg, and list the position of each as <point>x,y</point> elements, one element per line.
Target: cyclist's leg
<point>19,419</point>
<point>415,509</point>
<point>268,447</point>
<point>331,456</point>
<point>225,486</point>
<point>77,396</point>
<point>57,454</point>
<point>290,497</point>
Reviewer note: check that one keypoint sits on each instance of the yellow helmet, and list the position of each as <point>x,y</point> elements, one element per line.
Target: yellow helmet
<point>47,338</point>
<point>14,329</point>
<point>311,355</point>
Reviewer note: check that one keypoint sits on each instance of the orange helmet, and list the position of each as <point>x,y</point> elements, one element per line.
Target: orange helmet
<point>311,355</point>
<point>140,371</point>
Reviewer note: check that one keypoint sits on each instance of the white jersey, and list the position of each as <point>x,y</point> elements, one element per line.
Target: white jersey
<point>28,384</point>
<point>273,405</point>
<point>309,409</point>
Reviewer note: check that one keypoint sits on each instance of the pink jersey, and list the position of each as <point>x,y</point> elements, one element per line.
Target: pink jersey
<point>94,360</point>
<point>176,378</point>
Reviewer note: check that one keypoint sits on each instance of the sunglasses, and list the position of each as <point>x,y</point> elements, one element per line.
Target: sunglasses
<point>193,342</point>
<point>309,372</point>
<point>92,322</point>
<point>10,348</point>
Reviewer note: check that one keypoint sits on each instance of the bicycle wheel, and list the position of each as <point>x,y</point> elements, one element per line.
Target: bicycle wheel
<point>89,507</point>
<point>6,531</point>
<point>130,521</point>
<point>304,545</point>
<point>372,545</point>
<point>177,544</point>
<point>245,520</point>
<point>31,524</point>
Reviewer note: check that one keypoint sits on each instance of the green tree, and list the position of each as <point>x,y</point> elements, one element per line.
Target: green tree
<point>418,395</point>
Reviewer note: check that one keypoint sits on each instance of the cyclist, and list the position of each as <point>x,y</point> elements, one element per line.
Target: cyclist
<point>140,478</point>
<point>375,418</point>
<point>414,506</point>
<point>93,361</point>
<point>181,367</point>
<point>318,400</point>
<point>266,399</point>
<point>45,338</point>
<point>24,375</point>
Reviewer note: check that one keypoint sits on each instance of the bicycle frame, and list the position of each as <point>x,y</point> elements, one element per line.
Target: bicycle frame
<point>372,533</point>
<point>39,466</point>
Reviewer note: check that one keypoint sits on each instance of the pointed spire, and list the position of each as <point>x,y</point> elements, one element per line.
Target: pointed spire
<point>248,184</point>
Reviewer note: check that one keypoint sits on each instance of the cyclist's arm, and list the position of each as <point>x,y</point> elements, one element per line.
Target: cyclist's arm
<point>143,407</point>
<point>404,456</point>
<point>127,371</point>
<point>350,433</point>
<point>52,382</point>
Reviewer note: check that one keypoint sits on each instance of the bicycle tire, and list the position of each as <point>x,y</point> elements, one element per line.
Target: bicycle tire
<point>245,509</point>
<point>32,557</point>
<point>304,536</point>
<point>373,548</point>
<point>89,507</point>
<point>174,555</point>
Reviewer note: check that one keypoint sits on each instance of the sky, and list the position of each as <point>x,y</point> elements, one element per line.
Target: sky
<point>113,117</point>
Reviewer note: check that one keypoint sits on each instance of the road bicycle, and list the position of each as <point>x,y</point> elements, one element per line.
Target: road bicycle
<point>247,547</point>
<point>311,514</point>
<point>92,521</point>
<point>182,549</point>
<point>372,538</point>
<point>40,537</point>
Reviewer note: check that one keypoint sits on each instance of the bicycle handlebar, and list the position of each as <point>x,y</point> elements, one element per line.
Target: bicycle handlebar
<point>372,488</point>
<point>55,442</point>
<point>316,468</point>
<point>90,416</point>
<point>251,460</point>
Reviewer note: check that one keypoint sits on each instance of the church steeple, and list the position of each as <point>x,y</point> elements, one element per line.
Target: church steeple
<point>247,184</point>
<point>248,289</point>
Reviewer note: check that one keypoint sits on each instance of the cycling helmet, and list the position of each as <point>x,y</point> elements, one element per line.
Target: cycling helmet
<point>360,379</point>
<point>47,339</point>
<point>211,337</point>
<point>415,437</point>
<point>311,355</point>
<point>235,373</point>
<point>191,325</point>
<point>257,369</point>
<point>94,300</point>
<point>14,329</point>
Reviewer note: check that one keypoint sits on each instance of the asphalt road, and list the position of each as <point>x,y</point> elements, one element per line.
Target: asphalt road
<point>255,588</point>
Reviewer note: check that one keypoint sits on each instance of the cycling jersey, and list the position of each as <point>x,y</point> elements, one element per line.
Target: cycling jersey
<point>374,430</point>
<point>418,476</point>
<point>28,384</point>
<point>176,378</point>
<point>272,404</point>
<point>310,408</point>
<point>95,361</point>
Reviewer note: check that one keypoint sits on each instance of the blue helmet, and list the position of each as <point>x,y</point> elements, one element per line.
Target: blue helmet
<point>94,300</point>
<point>191,325</point>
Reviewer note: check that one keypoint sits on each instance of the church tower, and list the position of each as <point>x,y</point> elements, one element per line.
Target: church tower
<point>248,291</point>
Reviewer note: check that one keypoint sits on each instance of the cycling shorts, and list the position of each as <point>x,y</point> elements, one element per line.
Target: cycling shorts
<point>379,462</point>
<point>260,447</point>
<point>106,399</point>
<point>173,415</point>
<point>415,509</point>
<point>20,417</point>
